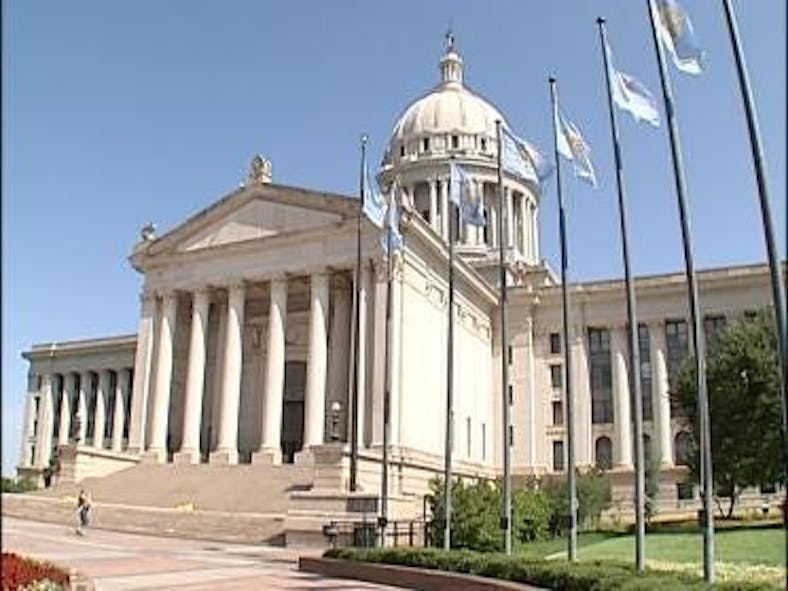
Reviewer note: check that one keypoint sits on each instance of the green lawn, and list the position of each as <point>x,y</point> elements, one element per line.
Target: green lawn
<point>757,545</point>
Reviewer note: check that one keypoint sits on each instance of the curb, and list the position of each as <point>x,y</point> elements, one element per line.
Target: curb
<point>406,576</point>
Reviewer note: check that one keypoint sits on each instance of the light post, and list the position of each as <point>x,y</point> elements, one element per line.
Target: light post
<point>336,408</point>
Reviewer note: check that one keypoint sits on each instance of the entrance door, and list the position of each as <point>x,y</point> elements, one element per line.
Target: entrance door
<point>293,410</point>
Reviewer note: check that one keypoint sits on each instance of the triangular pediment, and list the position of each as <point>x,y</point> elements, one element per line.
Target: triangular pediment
<point>259,218</point>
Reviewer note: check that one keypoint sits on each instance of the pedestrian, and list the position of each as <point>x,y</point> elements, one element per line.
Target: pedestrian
<point>83,511</point>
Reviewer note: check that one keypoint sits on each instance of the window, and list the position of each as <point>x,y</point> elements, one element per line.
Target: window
<point>644,348</point>
<point>558,413</point>
<point>455,142</point>
<point>685,491</point>
<point>712,327</point>
<point>402,151</point>
<point>425,143</point>
<point>511,435</point>
<point>511,394</point>
<point>682,447</point>
<point>558,456</point>
<point>601,377</point>
<point>555,343</point>
<point>603,452</point>
<point>556,375</point>
<point>510,354</point>
<point>677,343</point>
<point>484,144</point>
<point>484,441</point>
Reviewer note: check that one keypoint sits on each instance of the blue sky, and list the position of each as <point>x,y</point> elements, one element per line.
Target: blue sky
<point>116,114</point>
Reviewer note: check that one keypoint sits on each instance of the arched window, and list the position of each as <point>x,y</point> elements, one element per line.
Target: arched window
<point>604,453</point>
<point>682,447</point>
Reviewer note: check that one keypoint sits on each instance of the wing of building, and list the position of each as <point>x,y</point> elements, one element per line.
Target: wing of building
<point>244,349</point>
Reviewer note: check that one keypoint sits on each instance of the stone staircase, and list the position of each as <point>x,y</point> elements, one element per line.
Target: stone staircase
<point>243,503</point>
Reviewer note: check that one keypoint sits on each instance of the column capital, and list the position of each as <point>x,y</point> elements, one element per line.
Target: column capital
<point>167,294</point>
<point>201,296</point>
<point>147,296</point>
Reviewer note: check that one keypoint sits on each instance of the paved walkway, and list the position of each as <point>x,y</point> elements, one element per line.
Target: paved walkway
<point>120,561</point>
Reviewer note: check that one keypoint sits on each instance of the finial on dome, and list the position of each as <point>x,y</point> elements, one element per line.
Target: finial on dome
<point>451,63</point>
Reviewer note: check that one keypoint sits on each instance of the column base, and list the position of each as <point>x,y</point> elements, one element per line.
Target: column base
<point>267,456</point>
<point>187,456</point>
<point>305,457</point>
<point>224,457</point>
<point>154,456</point>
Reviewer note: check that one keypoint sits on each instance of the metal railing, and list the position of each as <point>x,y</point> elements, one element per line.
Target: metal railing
<point>369,534</point>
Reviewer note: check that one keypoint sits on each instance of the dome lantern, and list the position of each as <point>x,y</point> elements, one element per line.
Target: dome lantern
<point>451,63</point>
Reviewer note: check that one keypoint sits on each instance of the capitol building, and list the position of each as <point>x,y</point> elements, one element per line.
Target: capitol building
<point>244,348</point>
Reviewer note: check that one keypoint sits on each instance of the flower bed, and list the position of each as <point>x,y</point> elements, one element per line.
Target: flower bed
<point>23,573</point>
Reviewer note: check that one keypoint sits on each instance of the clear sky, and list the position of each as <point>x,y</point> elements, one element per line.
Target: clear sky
<point>120,113</point>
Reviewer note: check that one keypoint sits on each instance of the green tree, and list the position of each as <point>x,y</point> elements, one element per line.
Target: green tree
<point>743,379</point>
<point>652,487</point>
<point>593,496</point>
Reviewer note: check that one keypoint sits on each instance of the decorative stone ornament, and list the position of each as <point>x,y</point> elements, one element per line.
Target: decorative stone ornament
<point>259,171</point>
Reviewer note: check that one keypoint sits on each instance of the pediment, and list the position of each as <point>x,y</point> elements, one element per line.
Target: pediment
<point>256,219</point>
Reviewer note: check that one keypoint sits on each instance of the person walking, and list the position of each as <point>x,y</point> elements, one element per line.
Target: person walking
<point>83,511</point>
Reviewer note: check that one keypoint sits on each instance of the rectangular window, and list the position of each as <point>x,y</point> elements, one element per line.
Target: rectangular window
<point>555,343</point>
<point>685,491</point>
<point>511,394</point>
<point>558,456</point>
<point>402,151</point>
<point>644,348</point>
<point>511,435</point>
<point>558,413</point>
<point>510,354</point>
<point>426,144</point>
<point>556,375</point>
<point>678,347</point>
<point>712,326</point>
<point>484,144</point>
<point>455,142</point>
<point>601,378</point>
<point>484,441</point>
<point>468,436</point>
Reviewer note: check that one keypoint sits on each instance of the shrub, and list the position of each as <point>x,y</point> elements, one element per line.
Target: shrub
<point>19,572</point>
<point>20,485</point>
<point>560,575</point>
<point>593,496</point>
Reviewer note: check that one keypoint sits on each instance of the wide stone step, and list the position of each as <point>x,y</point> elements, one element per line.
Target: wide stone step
<point>226,526</point>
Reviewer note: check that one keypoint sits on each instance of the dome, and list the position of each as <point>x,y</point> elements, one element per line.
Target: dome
<point>451,117</point>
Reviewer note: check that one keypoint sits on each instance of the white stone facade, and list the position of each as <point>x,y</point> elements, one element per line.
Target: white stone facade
<point>245,333</point>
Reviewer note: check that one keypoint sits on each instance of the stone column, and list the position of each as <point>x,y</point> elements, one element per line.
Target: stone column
<point>315,400</point>
<point>434,222</point>
<point>534,234</point>
<point>142,373</point>
<point>227,444</point>
<point>622,417</point>
<point>85,386</point>
<point>582,395</point>
<point>100,418</point>
<point>339,341</point>
<point>271,438</point>
<point>361,335</point>
<point>45,423</point>
<point>69,387</point>
<point>163,384</point>
<point>661,400</point>
<point>509,219</point>
<point>493,225</point>
<point>444,187</point>
<point>395,350</point>
<point>121,390</point>
<point>195,381</point>
<point>28,428</point>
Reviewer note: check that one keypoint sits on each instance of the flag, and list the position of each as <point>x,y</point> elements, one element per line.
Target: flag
<point>521,159</point>
<point>374,206</point>
<point>470,204</point>
<point>630,94</point>
<point>391,234</point>
<point>572,146</point>
<point>677,35</point>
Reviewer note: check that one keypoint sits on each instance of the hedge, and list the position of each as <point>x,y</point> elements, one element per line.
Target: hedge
<point>560,575</point>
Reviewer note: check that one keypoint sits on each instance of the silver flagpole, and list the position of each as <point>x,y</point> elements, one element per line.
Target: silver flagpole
<point>447,477</point>
<point>778,287</point>
<point>570,411</point>
<point>506,510</point>
<point>692,288</point>
<point>634,342</point>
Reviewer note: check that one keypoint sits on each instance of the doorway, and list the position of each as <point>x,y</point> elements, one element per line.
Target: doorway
<point>293,410</point>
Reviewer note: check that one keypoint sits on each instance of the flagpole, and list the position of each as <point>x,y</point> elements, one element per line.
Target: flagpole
<point>696,332</point>
<point>506,517</point>
<point>354,387</point>
<point>634,342</point>
<point>570,421</point>
<point>384,481</point>
<point>778,287</point>
<point>447,475</point>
